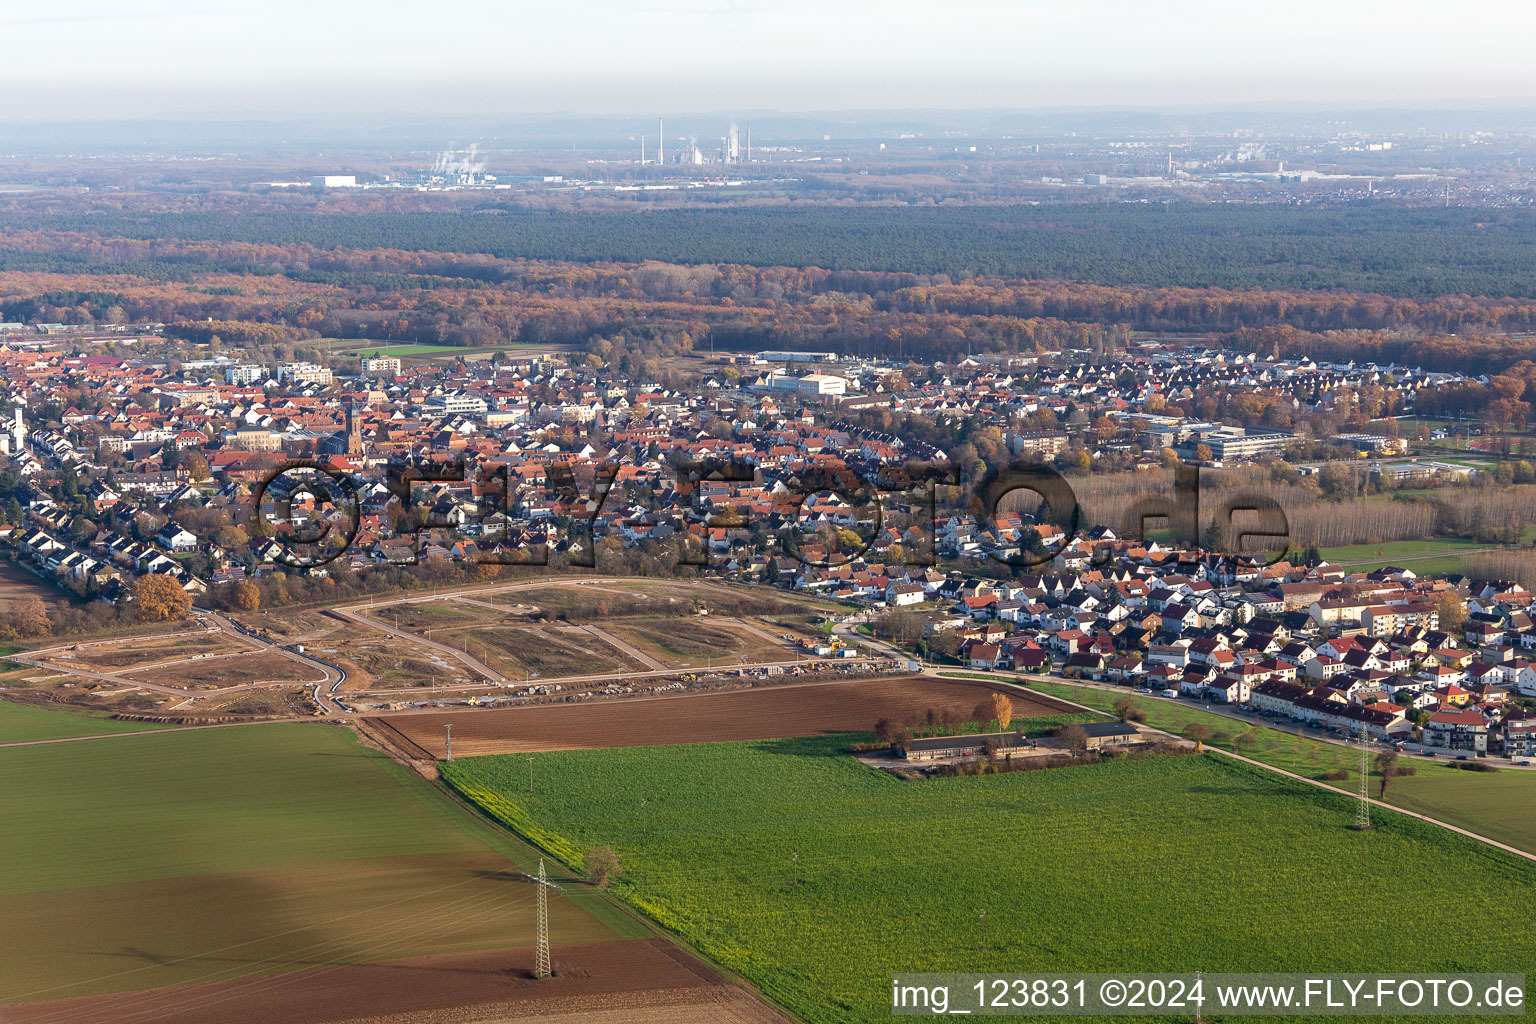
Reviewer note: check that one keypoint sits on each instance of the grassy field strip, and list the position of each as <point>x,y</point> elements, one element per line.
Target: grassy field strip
<point>31,723</point>
<point>1403,549</point>
<point>1495,807</point>
<point>1440,556</point>
<point>817,878</point>
<point>1501,806</point>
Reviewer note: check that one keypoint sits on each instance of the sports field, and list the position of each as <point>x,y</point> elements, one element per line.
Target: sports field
<point>818,878</point>
<point>209,855</point>
<point>23,723</point>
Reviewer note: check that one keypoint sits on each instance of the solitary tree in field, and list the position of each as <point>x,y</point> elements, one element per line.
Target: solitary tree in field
<point>602,865</point>
<point>1002,710</point>
<point>1128,710</point>
<point>1199,732</point>
<point>1386,764</point>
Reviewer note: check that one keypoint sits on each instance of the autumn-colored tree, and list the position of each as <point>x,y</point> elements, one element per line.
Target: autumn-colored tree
<point>232,538</point>
<point>160,598</point>
<point>196,465</point>
<point>1002,710</point>
<point>849,542</point>
<point>245,596</point>
<point>1452,610</point>
<point>1199,732</point>
<point>30,617</point>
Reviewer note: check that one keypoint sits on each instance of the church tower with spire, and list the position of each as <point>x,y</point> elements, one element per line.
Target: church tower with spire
<point>354,431</point>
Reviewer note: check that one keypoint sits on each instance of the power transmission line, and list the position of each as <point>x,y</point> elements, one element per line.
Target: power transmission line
<point>541,967</point>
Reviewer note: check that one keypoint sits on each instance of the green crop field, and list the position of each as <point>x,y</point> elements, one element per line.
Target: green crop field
<point>1309,757</point>
<point>1501,806</point>
<point>21,723</point>
<point>1164,864</point>
<point>1495,805</point>
<point>220,853</point>
<point>1440,565</point>
<point>1417,555</point>
<point>363,346</point>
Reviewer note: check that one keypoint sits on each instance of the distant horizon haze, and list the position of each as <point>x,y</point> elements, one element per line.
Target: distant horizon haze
<point>193,59</point>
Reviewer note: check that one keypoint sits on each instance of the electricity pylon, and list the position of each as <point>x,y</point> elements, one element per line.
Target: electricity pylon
<point>541,968</point>
<point>1363,804</point>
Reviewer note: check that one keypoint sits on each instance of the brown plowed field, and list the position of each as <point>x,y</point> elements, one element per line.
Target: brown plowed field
<point>759,713</point>
<point>629,981</point>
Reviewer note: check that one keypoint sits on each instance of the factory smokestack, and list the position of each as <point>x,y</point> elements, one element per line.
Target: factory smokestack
<point>661,143</point>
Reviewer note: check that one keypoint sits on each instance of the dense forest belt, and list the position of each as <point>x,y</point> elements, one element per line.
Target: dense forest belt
<point>1392,250</point>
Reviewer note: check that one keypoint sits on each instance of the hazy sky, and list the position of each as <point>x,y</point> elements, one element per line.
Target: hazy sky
<point>92,58</point>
